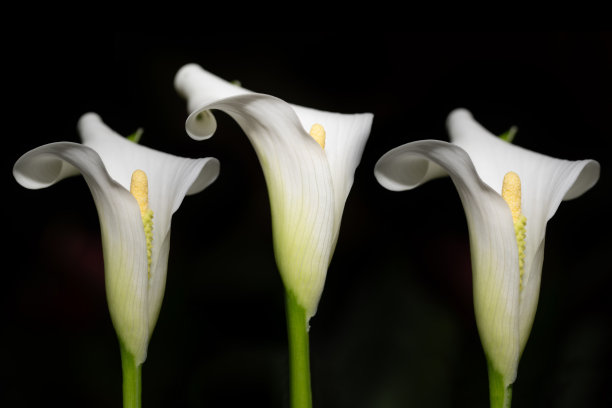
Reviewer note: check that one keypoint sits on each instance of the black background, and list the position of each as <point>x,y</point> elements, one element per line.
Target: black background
<point>395,325</point>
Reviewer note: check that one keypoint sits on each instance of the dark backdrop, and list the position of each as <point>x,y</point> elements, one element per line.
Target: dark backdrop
<point>395,325</point>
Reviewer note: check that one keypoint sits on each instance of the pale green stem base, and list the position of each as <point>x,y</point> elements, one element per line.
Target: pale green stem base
<point>500,395</point>
<point>299,354</point>
<point>132,380</point>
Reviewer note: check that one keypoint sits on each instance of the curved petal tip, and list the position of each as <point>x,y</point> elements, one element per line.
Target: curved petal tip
<point>201,124</point>
<point>88,118</point>
<point>460,121</point>
<point>38,169</point>
<point>398,171</point>
<point>89,122</point>
<point>405,167</point>
<point>588,177</point>
<point>459,114</point>
<point>90,125</point>
<point>184,77</point>
<point>208,174</point>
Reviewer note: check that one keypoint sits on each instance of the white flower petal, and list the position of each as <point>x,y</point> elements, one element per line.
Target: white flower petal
<point>200,88</point>
<point>477,162</point>
<point>188,82</point>
<point>545,182</point>
<point>170,179</point>
<point>123,240</point>
<point>300,189</point>
<point>308,186</point>
<point>492,240</point>
<point>106,160</point>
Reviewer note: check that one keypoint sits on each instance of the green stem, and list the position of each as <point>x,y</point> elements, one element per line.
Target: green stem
<point>132,380</point>
<point>500,395</point>
<point>299,355</point>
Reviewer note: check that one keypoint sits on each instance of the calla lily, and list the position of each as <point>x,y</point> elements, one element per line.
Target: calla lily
<point>506,265</point>
<point>135,265</point>
<point>307,184</point>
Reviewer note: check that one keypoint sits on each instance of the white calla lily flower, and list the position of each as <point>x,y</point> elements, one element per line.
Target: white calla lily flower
<point>135,260</point>
<point>308,180</point>
<point>506,264</point>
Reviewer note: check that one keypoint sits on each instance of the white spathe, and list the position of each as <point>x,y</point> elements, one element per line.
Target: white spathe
<point>307,185</point>
<point>477,161</point>
<point>107,160</point>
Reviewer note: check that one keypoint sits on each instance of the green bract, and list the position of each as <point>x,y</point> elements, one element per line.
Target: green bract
<point>106,161</point>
